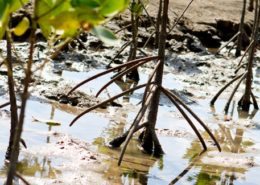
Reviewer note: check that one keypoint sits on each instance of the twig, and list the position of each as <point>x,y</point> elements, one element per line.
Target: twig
<point>106,101</point>
<point>111,70</point>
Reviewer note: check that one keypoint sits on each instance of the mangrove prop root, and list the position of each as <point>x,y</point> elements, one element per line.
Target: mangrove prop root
<point>196,117</point>
<point>185,117</point>
<point>22,179</point>
<point>119,76</point>
<point>149,81</point>
<point>106,101</point>
<point>178,20</point>
<point>120,51</point>
<point>4,105</point>
<point>230,40</point>
<point>212,102</point>
<point>115,143</point>
<point>233,92</point>
<point>247,49</point>
<point>254,101</point>
<point>137,120</point>
<point>130,63</point>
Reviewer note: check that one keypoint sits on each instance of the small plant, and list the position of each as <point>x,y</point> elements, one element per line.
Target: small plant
<point>56,19</point>
<point>147,115</point>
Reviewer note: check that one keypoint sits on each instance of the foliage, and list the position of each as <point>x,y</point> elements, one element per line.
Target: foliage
<point>6,8</point>
<point>64,17</point>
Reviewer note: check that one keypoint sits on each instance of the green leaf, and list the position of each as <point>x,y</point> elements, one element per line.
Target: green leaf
<point>105,35</point>
<point>22,27</point>
<point>112,7</point>
<point>85,3</point>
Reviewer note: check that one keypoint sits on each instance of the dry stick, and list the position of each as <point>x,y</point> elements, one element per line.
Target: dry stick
<point>185,117</point>
<point>106,101</point>
<point>149,81</point>
<point>178,20</point>
<point>4,105</point>
<point>233,92</point>
<point>121,50</point>
<point>22,179</point>
<point>254,101</point>
<point>137,120</point>
<point>196,117</point>
<point>187,169</point>
<point>130,63</point>
<point>230,40</point>
<point>247,49</point>
<point>119,76</point>
<point>212,102</point>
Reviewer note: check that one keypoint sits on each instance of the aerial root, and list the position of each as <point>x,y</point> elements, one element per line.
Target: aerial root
<point>233,92</point>
<point>185,117</point>
<point>137,120</point>
<point>118,76</point>
<point>130,63</point>
<point>106,101</point>
<point>178,100</point>
<point>212,102</point>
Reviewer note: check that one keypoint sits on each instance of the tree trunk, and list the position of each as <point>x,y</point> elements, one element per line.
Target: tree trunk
<point>158,24</point>
<point>12,97</point>
<point>150,142</point>
<point>245,103</point>
<point>241,30</point>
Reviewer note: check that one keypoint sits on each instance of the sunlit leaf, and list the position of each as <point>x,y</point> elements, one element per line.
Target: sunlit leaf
<point>112,7</point>
<point>105,35</point>
<point>85,3</point>
<point>22,27</point>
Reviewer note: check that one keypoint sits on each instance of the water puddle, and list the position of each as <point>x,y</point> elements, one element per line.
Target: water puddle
<point>239,136</point>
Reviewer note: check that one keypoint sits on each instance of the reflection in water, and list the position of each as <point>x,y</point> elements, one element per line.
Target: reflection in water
<point>217,174</point>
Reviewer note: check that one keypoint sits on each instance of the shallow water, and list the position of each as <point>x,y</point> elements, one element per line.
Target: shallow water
<point>239,138</point>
